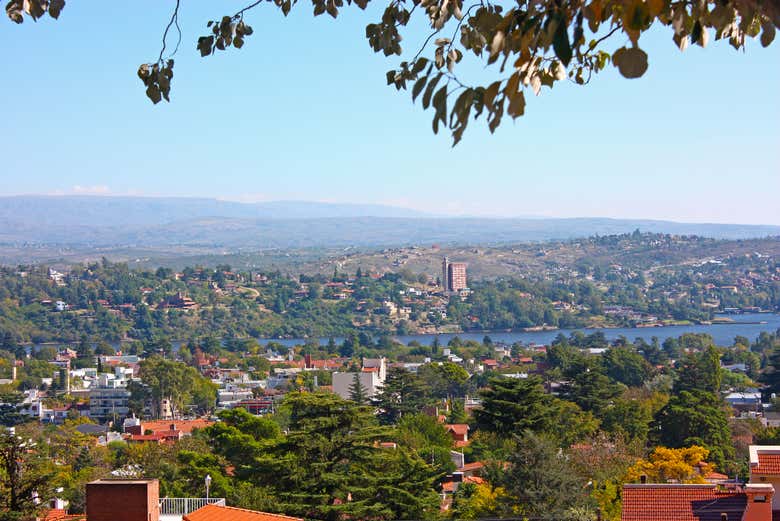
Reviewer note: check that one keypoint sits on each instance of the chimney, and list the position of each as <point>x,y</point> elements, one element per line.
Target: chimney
<point>173,426</point>
<point>759,502</point>
<point>307,359</point>
<point>643,479</point>
<point>123,500</point>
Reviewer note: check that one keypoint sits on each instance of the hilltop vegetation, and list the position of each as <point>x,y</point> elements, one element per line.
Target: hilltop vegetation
<point>627,280</point>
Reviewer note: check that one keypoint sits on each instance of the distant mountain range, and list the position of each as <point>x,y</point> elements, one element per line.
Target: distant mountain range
<point>146,222</point>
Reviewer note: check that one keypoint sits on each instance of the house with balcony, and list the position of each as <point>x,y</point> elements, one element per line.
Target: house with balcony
<point>138,500</point>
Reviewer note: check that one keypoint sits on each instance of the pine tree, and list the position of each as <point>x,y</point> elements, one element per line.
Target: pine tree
<point>331,466</point>
<point>83,460</point>
<point>357,393</point>
<point>539,481</point>
<point>771,374</point>
<point>511,405</point>
<point>402,393</point>
<point>25,475</point>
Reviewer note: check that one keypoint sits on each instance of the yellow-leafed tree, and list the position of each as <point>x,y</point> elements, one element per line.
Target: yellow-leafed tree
<point>664,465</point>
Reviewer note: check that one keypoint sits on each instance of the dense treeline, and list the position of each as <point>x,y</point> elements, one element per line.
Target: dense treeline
<point>108,301</point>
<point>577,424</point>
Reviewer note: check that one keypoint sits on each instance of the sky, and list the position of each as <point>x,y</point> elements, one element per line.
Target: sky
<point>302,112</point>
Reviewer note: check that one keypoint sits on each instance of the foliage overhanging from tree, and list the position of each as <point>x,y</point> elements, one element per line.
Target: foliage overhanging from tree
<point>529,44</point>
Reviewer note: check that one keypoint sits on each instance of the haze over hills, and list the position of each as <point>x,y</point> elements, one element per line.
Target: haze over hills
<point>126,211</point>
<point>193,225</point>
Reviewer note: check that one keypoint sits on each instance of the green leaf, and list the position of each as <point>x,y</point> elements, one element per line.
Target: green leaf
<point>490,94</point>
<point>561,44</point>
<point>14,11</point>
<point>144,72</point>
<point>768,34</point>
<point>632,63</point>
<point>440,103</point>
<point>418,87</point>
<point>699,34</point>
<point>205,44</point>
<point>516,106</point>
<point>426,99</point>
<point>153,93</point>
<point>55,8</point>
<point>419,65</point>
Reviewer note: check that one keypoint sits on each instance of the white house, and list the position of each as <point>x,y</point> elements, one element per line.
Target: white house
<point>371,377</point>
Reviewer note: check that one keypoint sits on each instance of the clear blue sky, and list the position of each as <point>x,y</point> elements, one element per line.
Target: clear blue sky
<point>302,112</point>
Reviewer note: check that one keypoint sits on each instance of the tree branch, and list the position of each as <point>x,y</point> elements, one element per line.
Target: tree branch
<point>174,21</point>
<point>247,8</point>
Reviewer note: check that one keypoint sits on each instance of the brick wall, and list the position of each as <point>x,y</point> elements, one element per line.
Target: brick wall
<point>123,500</point>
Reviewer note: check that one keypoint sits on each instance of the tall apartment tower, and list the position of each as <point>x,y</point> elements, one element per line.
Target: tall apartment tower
<point>453,275</point>
<point>457,276</point>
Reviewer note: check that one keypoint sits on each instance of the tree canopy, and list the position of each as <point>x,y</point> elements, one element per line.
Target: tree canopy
<point>525,45</point>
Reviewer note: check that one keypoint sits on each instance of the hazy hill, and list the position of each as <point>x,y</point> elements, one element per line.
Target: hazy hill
<point>127,212</point>
<point>66,227</point>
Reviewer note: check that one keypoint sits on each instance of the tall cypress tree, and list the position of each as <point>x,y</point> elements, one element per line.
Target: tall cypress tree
<point>771,374</point>
<point>357,393</point>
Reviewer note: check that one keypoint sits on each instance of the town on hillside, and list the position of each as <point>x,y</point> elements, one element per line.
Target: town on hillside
<point>160,386</point>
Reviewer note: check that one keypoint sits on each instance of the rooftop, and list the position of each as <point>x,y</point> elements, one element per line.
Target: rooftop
<point>223,513</point>
<point>676,502</point>
<point>765,459</point>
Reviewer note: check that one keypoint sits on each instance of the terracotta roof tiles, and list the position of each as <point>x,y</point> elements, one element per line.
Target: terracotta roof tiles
<point>460,429</point>
<point>767,464</point>
<point>656,502</point>
<point>220,513</point>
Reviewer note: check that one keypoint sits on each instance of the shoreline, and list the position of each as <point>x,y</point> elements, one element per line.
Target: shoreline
<point>519,331</point>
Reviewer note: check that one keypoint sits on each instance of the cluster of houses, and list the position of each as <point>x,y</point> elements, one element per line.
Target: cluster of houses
<point>715,500</point>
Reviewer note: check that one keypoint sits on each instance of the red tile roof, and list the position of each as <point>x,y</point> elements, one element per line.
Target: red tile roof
<point>715,476</point>
<point>185,426</point>
<point>461,429</point>
<point>218,513</point>
<point>664,502</point>
<point>767,464</point>
<point>145,437</point>
<point>58,514</point>
<point>477,465</point>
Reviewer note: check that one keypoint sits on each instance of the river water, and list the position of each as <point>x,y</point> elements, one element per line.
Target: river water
<point>749,325</point>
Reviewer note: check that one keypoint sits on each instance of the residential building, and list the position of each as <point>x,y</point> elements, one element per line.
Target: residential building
<point>139,500</point>
<point>765,469</point>
<point>453,276</point>
<point>371,377</point>
<point>459,433</point>
<point>456,276</point>
<point>710,502</point>
<point>225,513</point>
<point>109,398</point>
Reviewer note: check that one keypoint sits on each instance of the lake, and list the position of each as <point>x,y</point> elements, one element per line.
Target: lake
<point>747,325</point>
